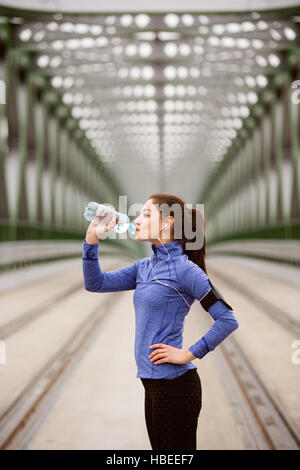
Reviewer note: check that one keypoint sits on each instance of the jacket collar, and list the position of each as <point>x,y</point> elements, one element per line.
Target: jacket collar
<point>174,248</point>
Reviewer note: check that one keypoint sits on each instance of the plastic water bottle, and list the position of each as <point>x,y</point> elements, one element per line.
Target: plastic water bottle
<point>106,214</point>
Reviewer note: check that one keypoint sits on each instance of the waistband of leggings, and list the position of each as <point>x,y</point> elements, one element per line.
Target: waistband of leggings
<point>187,375</point>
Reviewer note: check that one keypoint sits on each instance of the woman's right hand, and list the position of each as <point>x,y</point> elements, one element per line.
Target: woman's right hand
<point>95,230</point>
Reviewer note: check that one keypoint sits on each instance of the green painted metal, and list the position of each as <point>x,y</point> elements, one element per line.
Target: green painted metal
<point>294,122</point>
<point>233,194</point>
<point>277,117</point>
<point>43,133</point>
<point>3,153</point>
<point>273,231</point>
<point>259,152</point>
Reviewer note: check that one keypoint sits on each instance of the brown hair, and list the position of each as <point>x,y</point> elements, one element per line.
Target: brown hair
<point>197,256</point>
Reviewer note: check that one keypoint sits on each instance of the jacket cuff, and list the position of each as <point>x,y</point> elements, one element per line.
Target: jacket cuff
<point>200,349</point>
<point>90,250</point>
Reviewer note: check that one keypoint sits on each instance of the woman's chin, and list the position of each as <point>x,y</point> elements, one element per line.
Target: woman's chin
<point>139,238</point>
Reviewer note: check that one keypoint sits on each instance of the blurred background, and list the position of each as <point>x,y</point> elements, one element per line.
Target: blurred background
<point>102,101</point>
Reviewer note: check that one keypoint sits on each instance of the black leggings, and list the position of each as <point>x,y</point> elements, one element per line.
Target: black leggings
<point>172,408</point>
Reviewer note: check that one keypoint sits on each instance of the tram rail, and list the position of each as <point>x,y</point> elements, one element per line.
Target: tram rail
<point>21,419</point>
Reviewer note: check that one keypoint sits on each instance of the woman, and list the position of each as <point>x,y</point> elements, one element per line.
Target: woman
<point>166,285</point>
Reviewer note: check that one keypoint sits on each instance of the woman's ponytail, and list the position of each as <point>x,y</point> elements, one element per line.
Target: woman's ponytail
<point>198,227</point>
<point>193,220</point>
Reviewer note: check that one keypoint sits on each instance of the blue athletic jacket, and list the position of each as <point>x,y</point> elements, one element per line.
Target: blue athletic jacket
<point>159,310</point>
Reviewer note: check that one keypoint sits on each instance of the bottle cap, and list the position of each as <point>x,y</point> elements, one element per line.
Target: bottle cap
<point>131,228</point>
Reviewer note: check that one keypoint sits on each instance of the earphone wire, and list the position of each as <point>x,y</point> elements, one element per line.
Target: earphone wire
<point>172,287</point>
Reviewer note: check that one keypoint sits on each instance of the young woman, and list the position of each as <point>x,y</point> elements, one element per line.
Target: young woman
<point>166,284</point>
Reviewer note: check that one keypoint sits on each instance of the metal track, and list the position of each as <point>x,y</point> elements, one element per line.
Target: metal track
<point>268,425</point>
<point>271,420</point>
<point>285,320</point>
<point>36,312</point>
<point>20,421</point>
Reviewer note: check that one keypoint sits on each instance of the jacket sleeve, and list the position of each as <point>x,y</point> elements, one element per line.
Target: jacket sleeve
<point>196,284</point>
<point>97,281</point>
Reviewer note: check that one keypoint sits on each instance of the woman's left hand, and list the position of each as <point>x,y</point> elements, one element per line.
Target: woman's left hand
<point>166,353</point>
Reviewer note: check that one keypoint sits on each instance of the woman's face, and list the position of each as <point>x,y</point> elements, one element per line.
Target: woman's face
<point>148,224</point>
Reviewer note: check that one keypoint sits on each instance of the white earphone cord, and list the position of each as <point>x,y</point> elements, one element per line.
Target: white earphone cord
<point>172,287</point>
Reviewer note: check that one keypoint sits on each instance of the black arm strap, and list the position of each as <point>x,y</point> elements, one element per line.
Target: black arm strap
<point>211,297</point>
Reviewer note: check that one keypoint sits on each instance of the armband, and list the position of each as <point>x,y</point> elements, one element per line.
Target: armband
<point>211,297</point>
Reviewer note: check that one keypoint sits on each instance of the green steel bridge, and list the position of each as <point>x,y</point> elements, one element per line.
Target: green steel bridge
<point>111,103</point>
<point>99,105</point>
